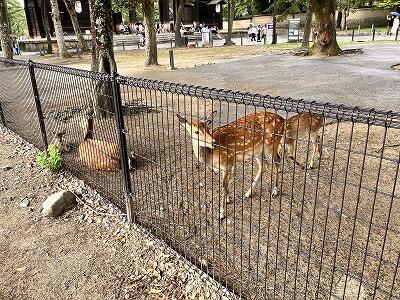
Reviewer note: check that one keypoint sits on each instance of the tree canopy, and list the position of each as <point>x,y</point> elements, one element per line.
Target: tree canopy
<point>17,18</point>
<point>387,4</point>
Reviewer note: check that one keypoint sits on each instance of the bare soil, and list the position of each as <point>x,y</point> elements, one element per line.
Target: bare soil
<point>90,252</point>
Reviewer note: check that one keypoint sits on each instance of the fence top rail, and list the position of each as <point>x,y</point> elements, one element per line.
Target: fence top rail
<point>339,112</point>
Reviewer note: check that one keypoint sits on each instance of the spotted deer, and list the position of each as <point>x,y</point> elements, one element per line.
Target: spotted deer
<point>302,126</point>
<point>254,135</point>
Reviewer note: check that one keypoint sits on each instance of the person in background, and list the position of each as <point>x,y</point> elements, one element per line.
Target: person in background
<point>15,46</point>
<point>395,26</point>
<point>390,19</point>
<point>258,33</point>
<point>253,33</point>
<point>264,31</point>
<point>249,30</point>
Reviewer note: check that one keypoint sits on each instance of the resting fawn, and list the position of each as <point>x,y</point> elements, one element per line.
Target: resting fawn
<point>302,125</point>
<point>98,154</point>
<point>251,136</point>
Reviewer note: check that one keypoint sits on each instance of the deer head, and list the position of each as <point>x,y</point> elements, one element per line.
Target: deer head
<point>199,132</point>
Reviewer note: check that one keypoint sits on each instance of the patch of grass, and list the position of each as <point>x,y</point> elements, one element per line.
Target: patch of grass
<point>50,159</point>
<point>378,42</point>
<point>362,30</point>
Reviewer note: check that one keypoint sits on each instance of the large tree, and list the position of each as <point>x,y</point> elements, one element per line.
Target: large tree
<point>325,43</point>
<point>70,5</point>
<point>231,12</point>
<point>150,33</point>
<point>105,55</point>
<point>46,23</point>
<point>178,19</point>
<point>95,58</point>
<point>305,44</point>
<point>6,45</point>
<point>55,13</point>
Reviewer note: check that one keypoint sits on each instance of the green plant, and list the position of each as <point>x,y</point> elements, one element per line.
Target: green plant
<point>50,159</point>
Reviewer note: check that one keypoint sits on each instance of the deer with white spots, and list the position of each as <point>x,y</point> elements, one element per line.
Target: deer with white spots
<point>256,135</point>
<point>302,126</point>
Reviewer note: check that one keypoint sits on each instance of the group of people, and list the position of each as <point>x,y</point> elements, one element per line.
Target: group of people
<point>256,32</point>
<point>198,27</point>
<point>393,23</point>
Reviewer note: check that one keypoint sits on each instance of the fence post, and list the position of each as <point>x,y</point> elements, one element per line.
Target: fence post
<point>373,34</point>
<point>241,41</point>
<point>116,94</point>
<point>171,59</point>
<point>352,36</point>
<point>31,67</point>
<point>2,118</point>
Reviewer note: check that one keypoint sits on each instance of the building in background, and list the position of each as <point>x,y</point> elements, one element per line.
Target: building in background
<point>201,12</point>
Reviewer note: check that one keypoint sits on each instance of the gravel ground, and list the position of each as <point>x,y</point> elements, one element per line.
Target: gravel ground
<point>365,80</point>
<point>88,253</point>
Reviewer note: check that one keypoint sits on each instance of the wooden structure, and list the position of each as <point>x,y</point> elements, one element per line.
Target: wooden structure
<point>36,10</point>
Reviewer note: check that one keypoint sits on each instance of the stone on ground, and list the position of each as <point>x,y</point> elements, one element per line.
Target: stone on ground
<point>57,203</point>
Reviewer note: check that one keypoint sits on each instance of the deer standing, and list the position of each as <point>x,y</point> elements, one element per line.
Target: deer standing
<point>302,125</point>
<point>251,136</point>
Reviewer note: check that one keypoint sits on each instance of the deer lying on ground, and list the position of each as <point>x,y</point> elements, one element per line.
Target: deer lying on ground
<point>302,126</point>
<point>98,154</point>
<point>251,136</point>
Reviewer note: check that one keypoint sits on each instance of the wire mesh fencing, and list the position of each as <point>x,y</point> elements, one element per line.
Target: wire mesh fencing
<point>312,188</point>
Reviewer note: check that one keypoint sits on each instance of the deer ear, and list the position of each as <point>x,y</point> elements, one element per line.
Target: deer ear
<point>210,117</point>
<point>181,119</point>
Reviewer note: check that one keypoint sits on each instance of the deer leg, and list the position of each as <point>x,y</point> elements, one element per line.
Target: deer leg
<point>315,140</point>
<point>291,145</point>
<point>277,161</point>
<point>226,199</point>
<point>256,178</point>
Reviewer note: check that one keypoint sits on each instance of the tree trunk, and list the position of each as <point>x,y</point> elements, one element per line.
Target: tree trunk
<point>339,20</point>
<point>150,33</point>
<point>74,19</point>
<point>305,44</point>
<point>39,20</point>
<point>104,40</point>
<point>325,43</point>
<point>46,23</point>
<point>178,21</point>
<point>62,49</point>
<point>6,45</point>
<point>95,58</point>
<point>231,6</point>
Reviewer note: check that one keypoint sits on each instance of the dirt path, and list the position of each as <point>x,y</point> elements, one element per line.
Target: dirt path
<point>82,254</point>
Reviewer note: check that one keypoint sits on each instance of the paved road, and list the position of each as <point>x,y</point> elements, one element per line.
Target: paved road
<point>365,80</point>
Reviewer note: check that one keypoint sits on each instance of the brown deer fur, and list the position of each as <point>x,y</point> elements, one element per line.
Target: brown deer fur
<point>251,136</point>
<point>302,126</point>
<point>98,154</point>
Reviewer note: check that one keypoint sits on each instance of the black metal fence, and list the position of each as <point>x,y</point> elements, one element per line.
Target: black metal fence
<point>332,232</point>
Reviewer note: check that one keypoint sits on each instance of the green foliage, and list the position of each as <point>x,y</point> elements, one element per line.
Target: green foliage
<point>50,159</point>
<point>350,5</point>
<point>17,18</point>
<point>387,4</point>
<point>287,7</point>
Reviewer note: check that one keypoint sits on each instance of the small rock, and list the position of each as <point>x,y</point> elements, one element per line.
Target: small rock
<point>5,168</point>
<point>25,202</point>
<point>57,203</point>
